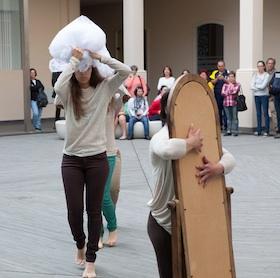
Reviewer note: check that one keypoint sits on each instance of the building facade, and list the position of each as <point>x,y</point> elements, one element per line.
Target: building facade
<point>151,34</point>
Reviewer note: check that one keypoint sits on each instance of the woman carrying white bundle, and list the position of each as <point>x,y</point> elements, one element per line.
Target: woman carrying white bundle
<point>85,96</point>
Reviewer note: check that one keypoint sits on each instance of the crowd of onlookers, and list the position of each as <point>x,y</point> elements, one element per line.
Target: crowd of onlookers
<point>135,103</point>
<point>265,87</point>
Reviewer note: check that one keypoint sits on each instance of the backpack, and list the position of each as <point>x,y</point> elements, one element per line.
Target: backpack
<point>42,99</point>
<point>275,84</point>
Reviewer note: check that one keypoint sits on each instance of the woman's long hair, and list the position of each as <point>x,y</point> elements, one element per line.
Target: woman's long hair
<point>164,115</point>
<point>76,91</point>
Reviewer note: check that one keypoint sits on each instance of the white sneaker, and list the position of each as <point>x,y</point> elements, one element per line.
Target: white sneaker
<point>265,134</point>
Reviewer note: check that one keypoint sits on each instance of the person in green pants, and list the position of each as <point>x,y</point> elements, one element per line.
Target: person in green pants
<point>108,206</point>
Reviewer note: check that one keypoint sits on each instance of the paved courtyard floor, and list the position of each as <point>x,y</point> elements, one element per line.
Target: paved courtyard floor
<point>35,240</point>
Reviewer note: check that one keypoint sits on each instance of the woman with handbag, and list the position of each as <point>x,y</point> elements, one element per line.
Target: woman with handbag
<point>259,87</point>
<point>134,81</point>
<point>230,92</point>
<point>85,166</point>
<point>35,87</point>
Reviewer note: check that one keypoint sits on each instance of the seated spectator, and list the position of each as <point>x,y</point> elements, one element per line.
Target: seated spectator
<point>134,81</point>
<point>154,109</point>
<point>138,109</point>
<point>167,79</point>
<point>123,117</point>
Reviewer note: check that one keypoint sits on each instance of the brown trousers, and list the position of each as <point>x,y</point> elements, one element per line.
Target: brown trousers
<point>90,173</point>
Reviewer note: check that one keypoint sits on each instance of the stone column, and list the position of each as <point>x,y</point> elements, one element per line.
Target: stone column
<point>133,33</point>
<point>251,50</point>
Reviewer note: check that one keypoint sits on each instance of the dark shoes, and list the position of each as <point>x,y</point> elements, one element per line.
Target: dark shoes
<point>227,134</point>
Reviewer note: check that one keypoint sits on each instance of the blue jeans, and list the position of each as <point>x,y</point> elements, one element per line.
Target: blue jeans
<point>262,108</point>
<point>232,119</point>
<point>133,120</point>
<point>277,108</point>
<point>37,112</point>
<point>221,110</point>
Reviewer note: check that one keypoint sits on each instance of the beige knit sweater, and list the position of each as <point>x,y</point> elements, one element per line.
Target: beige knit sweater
<point>86,136</point>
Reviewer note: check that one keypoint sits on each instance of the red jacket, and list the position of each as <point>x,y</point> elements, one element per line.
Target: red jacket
<point>154,108</point>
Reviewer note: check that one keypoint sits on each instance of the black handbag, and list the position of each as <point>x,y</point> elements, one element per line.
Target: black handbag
<point>241,101</point>
<point>42,99</point>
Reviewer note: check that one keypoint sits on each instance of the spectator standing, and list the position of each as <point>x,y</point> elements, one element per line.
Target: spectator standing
<point>138,109</point>
<point>259,86</point>
<point>218,79</point>
<point>203,73</point>
<point>275,92</point>
<point>154,109</point>
<point>35,87</point>
<point>58,108</point>
<point>270,68</point>
<point>167,78</point>
<point>134,81</point>
<point>230,92</point>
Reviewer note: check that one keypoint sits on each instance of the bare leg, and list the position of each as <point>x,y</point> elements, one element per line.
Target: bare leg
<point>100,243</point>
<point>122,121</point>
<point>81,256</point>
<point>89,271</point>
<point>112,239</point>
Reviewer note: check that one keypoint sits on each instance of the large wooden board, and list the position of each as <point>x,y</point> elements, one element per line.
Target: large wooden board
<point>204,211</point>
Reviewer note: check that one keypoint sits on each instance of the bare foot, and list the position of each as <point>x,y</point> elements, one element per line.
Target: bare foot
<point>89,271</point>
<point>112,239</point>
<point>100,243</point>
<point>81,256</point>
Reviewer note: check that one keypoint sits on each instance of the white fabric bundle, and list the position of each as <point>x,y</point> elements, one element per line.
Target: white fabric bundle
<point>84,34</point>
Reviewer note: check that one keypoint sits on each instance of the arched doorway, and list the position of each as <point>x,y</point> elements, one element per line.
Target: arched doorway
<point>210,45</point>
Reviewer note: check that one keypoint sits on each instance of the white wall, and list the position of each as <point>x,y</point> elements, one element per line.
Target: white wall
<point>46,18</point>
<point>271,30</point>
<point>109,18</point>
<point>171,32</point>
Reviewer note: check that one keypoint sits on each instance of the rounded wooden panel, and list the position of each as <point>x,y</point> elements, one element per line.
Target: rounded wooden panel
<point>204,212</point>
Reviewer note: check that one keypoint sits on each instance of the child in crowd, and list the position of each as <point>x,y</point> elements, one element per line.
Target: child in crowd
<point>230,92</point>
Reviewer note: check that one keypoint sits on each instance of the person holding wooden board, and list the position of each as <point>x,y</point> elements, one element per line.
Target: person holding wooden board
<point>162,151</point>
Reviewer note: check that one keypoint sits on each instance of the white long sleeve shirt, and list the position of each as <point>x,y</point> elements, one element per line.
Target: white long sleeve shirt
<point>142,110</point>
<point>162,151</point>
<point>86,136</point>
<point>168,82</point>
<point>259,84</point>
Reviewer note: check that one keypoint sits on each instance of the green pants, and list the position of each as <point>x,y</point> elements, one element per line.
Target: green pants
<point>108,207</point>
